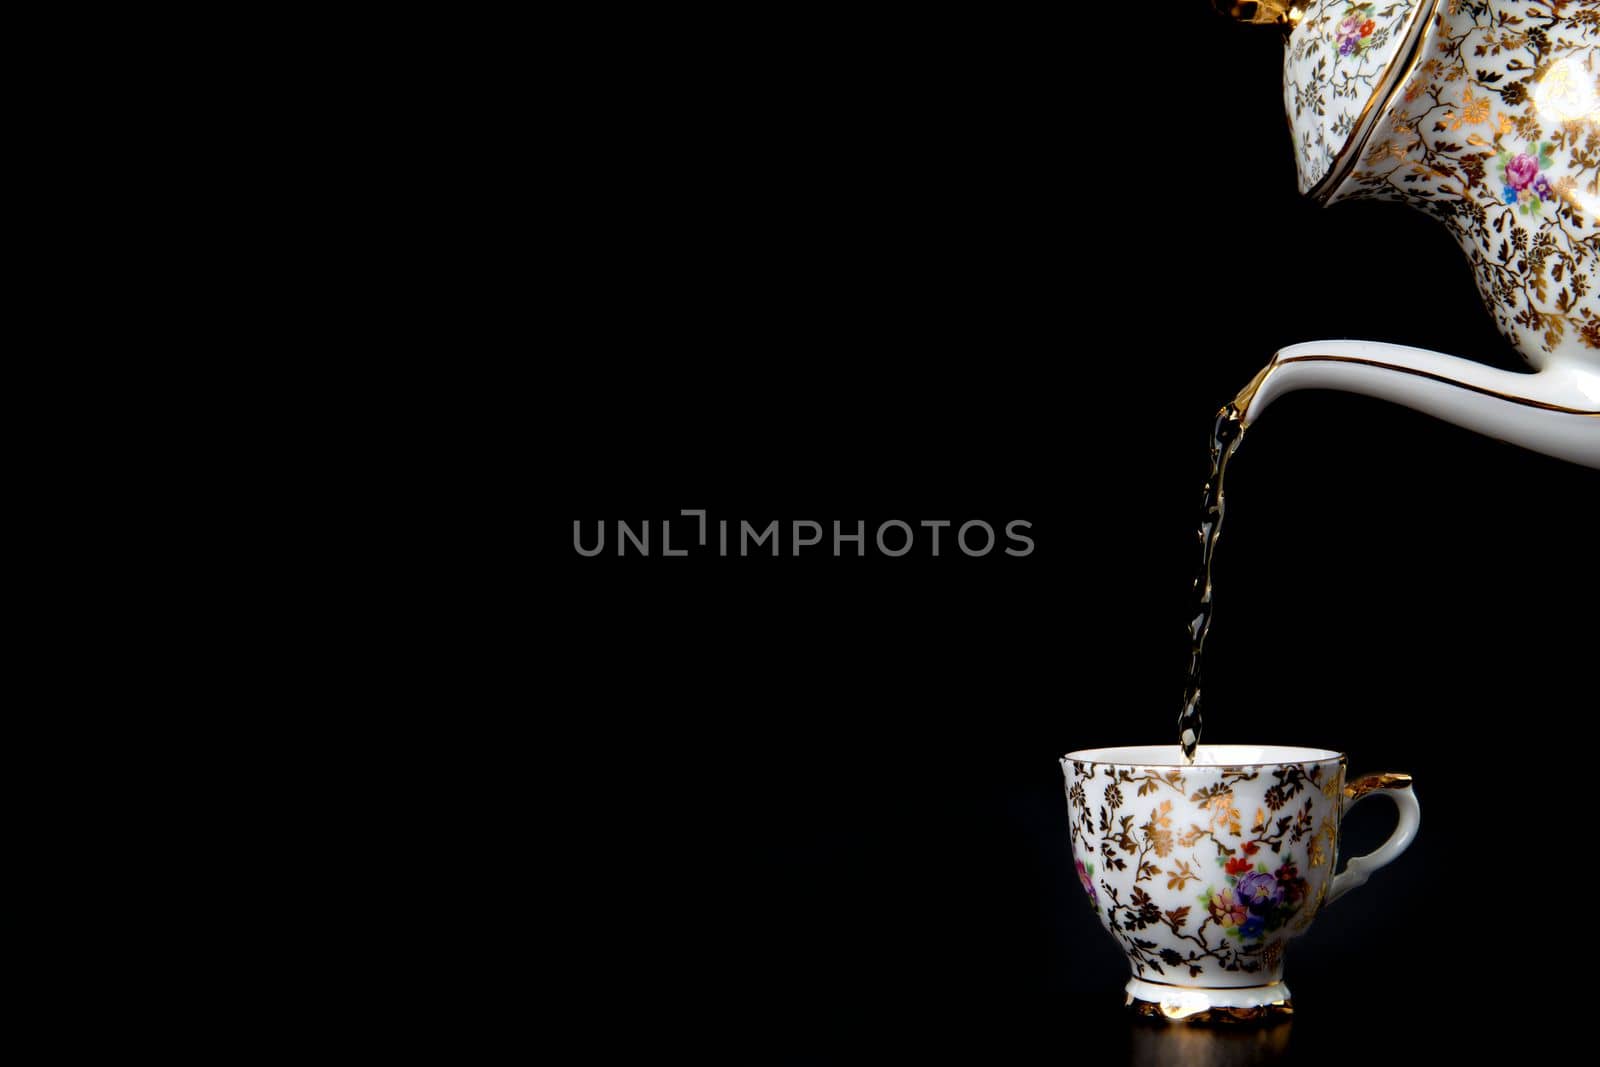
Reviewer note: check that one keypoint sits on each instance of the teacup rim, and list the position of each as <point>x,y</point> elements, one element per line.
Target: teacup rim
<point>1119,756</point>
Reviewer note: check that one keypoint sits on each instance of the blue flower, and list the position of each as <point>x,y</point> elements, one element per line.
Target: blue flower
<point>1511,195</point>
<point>1252,928</point>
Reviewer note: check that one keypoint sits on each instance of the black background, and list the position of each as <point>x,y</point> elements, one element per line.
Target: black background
<point>809,808</point>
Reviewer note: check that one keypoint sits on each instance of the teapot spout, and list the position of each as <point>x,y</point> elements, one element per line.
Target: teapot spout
<point>1555,411</point>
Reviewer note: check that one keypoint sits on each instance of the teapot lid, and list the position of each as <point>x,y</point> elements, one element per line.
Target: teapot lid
<point>1344,63</point>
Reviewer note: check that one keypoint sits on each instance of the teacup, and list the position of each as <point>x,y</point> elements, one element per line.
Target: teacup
<point>1204,871</point>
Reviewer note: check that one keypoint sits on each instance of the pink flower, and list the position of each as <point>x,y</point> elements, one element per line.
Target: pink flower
<point>1088,884</point>
<point>1226,910</point>
<point>1521,171</point>
<point>1350,27</point>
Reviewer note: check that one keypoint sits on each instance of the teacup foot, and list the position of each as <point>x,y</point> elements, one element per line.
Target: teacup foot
<point>1189,1004</point>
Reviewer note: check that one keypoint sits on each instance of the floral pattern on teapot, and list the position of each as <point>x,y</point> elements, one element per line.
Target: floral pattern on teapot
<point>1496,131</point>
<point>1334,65</point>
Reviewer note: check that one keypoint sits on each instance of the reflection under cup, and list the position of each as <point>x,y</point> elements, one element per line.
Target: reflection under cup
<point>1158,1043</point>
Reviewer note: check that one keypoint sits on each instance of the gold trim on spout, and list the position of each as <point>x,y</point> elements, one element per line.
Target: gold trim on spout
<point>1241,403</point>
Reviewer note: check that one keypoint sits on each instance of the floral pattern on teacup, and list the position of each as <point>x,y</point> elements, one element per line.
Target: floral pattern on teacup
<point>1257,899</point>
<point>1187,881</point>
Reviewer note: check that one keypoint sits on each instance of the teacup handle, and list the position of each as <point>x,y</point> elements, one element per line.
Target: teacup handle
<point>1396,787</point>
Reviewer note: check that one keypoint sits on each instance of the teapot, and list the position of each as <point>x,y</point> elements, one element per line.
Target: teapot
<point>1486,115</point>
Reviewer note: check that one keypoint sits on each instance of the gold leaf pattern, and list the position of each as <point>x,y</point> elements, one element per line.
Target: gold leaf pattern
<point>1502,113</point>
<point>1143,874</point>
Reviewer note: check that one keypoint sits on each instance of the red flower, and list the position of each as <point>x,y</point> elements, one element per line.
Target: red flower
<point>1237,865</point>
<point>1251,848</point>
<point>1367,27</point>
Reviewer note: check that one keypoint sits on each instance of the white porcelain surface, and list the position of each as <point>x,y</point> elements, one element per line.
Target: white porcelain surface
<point>1178,1003</point>
<point>1556,411</point>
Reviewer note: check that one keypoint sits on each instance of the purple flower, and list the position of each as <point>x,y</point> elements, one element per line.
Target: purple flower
<point>1541,185</point>
<point>1349,34</point>
<point>1521,171</point>
<point>1258,891</point>
<point>1511,195</point>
